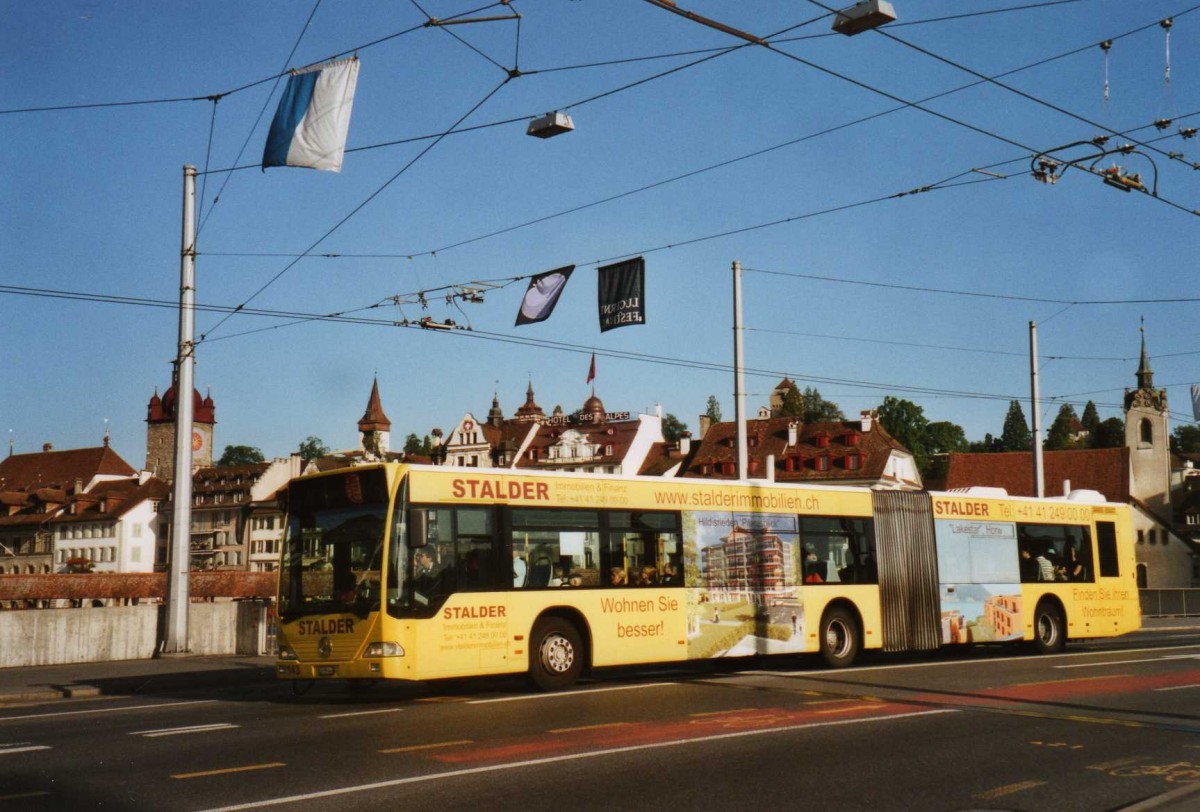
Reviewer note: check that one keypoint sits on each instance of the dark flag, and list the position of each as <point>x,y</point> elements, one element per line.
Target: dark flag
<point>592,370</point>
<point>542,295</point>
<point>622,294</point>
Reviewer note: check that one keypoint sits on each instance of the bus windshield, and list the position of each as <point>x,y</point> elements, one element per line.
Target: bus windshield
<point>333,547</point>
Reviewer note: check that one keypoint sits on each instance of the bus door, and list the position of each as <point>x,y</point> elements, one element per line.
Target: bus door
<point>908,570</point>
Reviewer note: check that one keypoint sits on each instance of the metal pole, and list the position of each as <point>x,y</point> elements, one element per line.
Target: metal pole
<point>178,596</point>
<point>739,379</point>
<point>1039,480</point>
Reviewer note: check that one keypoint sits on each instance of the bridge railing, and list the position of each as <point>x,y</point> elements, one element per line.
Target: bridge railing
<point>1170,602</point>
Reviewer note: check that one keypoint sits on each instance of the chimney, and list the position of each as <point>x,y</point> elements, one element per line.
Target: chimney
<point>143,476</point>
<point>770,468</point>
<point>1066,487</point>
<point>47,447</point>
<point>705,425</point>
<point>685,443</point>
<point>793,434</point>
<point>868,417</point>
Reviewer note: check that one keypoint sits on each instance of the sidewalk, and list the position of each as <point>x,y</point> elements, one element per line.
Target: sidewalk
<point>130,677</point>
<point>135,677</point>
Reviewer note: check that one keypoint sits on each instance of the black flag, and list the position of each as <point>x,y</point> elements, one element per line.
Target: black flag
<point>622,294</point>
<point>542,295</point>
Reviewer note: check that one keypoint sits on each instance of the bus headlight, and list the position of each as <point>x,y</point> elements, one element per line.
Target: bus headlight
<point>287,653</point>
<point>387,649</point>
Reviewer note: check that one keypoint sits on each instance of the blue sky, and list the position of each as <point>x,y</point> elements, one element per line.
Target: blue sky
<point>91,205</point>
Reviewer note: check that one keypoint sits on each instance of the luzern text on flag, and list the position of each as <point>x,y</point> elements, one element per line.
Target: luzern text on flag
<point>622,299</point>
<point>313,117</point>
<point>542,295</point>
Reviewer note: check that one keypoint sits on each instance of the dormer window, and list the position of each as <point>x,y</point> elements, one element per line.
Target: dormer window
<point>822,462</point>
<point>822,440</point>
<point>853,462</point>
<point>753,441</point>
<point>608,450</point>
<point>853,439</point>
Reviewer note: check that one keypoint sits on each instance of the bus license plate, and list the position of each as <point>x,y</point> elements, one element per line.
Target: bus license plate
<point>326,670</point>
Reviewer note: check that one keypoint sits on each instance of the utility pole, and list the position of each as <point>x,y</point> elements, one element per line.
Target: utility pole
<point>1039,477</point>
<point>175,640</point>
<point>739,378</point>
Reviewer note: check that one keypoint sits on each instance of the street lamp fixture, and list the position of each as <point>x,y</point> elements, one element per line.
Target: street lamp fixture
<point>550,125</point>
<point>863,17</point>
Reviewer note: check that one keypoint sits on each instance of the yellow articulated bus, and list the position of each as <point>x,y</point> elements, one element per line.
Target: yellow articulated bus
<point>394,571</point>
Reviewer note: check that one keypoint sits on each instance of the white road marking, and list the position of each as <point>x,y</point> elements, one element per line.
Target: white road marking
<point>524,697</point>
<point>1128,662</point>
<point>23,747</point>
<point>106,710</point>
<point>176,731</point>
<point>361,713</point>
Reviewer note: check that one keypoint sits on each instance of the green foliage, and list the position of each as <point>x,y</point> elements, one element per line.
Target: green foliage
<point>1186,439</point>
<point>672,427</point>
<point>313,448</point>
<point>793,403</point>
<point>1016,435</point>
<point>713,411</point>
<point>240,455</point>
<point>1090,419</point>
<point>412,444</point>
<point>906,422</point>
<point>819,410</point>
<point>1109,434</point>
<point>1062,430</point>
<point>986,445</point>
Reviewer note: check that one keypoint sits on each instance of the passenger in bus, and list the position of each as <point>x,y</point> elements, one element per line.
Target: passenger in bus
<point>1045,565</point>
<point>575,579</point>
<point>814,569</point>
<point>668,576</point>
<point>1074,567</point>
<point>519,569</point>
<point>617,577</point>
<point>649,576</point>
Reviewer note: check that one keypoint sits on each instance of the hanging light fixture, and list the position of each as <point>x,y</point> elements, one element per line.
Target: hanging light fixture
<point>863,17</point>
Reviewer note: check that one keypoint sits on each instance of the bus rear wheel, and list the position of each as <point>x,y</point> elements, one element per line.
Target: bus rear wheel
<point>839,638</point>
<point>555,654</point>
<point>1049,629</point>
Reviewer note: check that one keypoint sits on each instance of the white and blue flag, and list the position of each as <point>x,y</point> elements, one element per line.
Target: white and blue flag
<point>313,118</point>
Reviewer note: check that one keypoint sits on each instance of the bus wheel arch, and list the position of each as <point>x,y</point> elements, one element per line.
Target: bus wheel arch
<point>1049,626</point>
<point>840,636</point>
<point>559,649</point>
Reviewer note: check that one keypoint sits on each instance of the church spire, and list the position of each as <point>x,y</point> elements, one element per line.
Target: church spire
<point>1145,375</point>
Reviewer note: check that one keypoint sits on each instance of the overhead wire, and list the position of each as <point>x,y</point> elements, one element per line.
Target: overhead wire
<point>355,210</point>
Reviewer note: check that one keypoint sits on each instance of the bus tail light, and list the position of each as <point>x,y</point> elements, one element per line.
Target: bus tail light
<point>287,653</point>
<point>386,649</point>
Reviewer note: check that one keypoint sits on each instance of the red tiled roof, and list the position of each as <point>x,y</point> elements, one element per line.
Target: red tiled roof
<point>373,418</point>
<point>619,434</point>
<point>60,469</point>
<point>661,458</point>
<point>838,440</point>
<point>1099,469</point>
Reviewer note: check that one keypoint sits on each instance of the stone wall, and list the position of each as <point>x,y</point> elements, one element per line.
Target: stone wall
<point>105,633</point>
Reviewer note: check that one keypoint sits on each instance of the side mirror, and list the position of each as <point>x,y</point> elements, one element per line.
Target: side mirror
<point>418,528</point>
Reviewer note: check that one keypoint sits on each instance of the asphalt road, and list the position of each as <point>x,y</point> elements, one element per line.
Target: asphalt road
<point>1103,727</point>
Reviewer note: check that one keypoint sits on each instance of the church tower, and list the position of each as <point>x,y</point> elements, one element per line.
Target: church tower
<point>160,432</point>
<point>375,427</point>
<point>1148,439</point>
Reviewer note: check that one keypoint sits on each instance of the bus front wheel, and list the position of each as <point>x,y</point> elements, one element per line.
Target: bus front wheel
<point>1049,629</point>
<point>839,638</point>
<point>555,654</point>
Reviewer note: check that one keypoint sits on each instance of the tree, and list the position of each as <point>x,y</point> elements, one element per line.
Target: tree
<point>240,455</point>
<point>819,410</point>
<point>1109,434</point>
<point>672,427</point>
<point>793,403</point>
<point>906,422</point>
<point>313,448</point>
<point>1090,421</point>
<point>942,439</point>
<point>713,412</point>
<point>1062,431</point>
<point>412,444</point>
<point>1186,439</point>
<point>1016,435</point>
<point>987,445</point>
